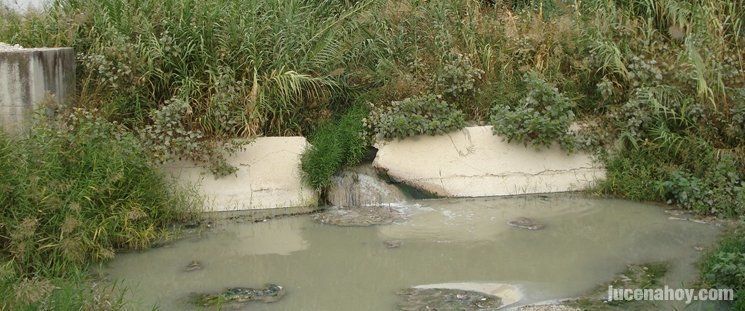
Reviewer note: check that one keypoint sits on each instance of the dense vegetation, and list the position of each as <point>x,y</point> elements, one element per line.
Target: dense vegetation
<point>72,193</point>
<point>657,85</point>
<point>724,267</point>
<point>413,116</point>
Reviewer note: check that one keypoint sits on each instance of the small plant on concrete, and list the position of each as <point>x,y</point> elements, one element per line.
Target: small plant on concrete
<point>167,138</point>
<point>427,114</point>
<point>540,118</point>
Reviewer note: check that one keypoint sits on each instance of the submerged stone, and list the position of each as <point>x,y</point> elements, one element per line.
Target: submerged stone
<point>359,216</point>
<point>526,223</point>
<point>446,299</point>
<point>393,243</point>
<point>270,293</point>
<point>508,294</point>
<point>193,266</point>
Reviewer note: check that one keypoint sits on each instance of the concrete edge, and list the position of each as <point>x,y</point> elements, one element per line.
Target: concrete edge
<point>256,215</point>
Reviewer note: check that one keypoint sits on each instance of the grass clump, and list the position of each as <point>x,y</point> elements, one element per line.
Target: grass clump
<point>72,193</point>
<point>333,146</point>
<point>635,276</point>
<point>74,292</point>
<point>426,114</point>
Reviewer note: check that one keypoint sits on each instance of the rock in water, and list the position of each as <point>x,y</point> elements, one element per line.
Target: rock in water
<point>270,293</point>
<point>526,223</point>
<point>446,299</point>
<point>393,243</point>
<point>359,217</point>
<point>508,294</point>
<point>193,266</point>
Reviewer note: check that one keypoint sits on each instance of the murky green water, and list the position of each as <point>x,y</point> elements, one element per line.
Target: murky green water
<point>585,242</point>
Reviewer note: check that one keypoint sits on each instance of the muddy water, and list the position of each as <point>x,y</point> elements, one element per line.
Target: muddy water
<point>585,242</point>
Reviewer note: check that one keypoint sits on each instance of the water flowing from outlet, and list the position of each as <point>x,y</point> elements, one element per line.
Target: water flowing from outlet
<point>361,186</point>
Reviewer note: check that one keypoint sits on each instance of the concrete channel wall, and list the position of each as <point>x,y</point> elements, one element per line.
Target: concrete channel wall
<point>28,78</point>
<point>23,6</point>
<point>268,178</point>
<point>475,163</point>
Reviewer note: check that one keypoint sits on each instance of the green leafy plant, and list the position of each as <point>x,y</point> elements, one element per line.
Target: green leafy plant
<point>458,77</point>
<point>426,114</point>
<point>724,266</point>
<point>719,191</point>
<point>246,67</point>
<point>688,191</point>
<point>540,118</point>
<point>167,138</point>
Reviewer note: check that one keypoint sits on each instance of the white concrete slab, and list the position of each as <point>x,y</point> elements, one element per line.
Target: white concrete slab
<point>268,177</point>
<point>474,163</point>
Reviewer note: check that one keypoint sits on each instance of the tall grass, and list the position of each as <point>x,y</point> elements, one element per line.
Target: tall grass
<point>335,145</point>
<point>71,194</point>
<point>273,66</point>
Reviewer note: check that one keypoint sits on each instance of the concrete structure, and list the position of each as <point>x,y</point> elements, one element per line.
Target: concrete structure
<point>23,6</point>
<point>28,77</point>
<point>268,177</point>
<point>475,163</point>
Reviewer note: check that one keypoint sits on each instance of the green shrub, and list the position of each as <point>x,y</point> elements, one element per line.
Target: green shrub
<point>457,79</point>
<point>719,191</point>
<point>540,118</point>
<point>167,138</point>
<point>427,114</point>
<point>333,146</point>
<point>736,128</point>
<point>77,190</point>
<point>687,191</point>
<point>724,267</point>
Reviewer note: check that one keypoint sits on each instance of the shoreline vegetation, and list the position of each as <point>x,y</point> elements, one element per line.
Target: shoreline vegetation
<point>658,87</point>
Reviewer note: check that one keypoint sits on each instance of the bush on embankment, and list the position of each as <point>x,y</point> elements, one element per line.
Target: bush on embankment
<point>72,193</point>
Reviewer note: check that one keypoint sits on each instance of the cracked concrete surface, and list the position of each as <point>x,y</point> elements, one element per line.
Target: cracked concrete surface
<point>268,177</point>
<point>474,163</point>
